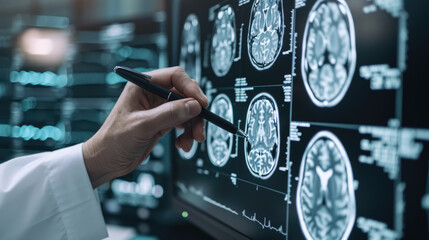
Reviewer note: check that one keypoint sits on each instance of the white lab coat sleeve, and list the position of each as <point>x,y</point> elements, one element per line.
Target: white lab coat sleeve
<point>49,196</point>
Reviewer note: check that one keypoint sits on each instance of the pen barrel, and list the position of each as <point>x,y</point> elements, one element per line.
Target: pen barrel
<point>218,121</point>
<point>140,80</point>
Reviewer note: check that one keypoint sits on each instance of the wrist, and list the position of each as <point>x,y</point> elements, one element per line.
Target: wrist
<point>97,170</point>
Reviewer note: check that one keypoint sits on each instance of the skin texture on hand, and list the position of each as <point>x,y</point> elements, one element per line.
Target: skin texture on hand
<point>138,120</point>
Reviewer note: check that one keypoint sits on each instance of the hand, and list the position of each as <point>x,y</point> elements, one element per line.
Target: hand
<point>138,120</point>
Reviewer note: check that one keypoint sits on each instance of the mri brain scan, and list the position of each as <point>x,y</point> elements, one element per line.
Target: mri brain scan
<point>191,153</point>
<point>190,53</point>
<point>219,141</point>
<point>329,52</point>
<point>265,38</point>
<point>224,41</point>
<point>325,196</point>
<point>263,129</point>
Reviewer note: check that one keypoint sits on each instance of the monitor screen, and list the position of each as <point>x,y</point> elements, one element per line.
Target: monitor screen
<point>325,93</point>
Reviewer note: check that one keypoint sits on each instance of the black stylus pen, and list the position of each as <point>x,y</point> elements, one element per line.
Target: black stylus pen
<point>140,80</point>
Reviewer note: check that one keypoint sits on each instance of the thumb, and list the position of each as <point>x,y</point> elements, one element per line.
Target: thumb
<point>171,114</point>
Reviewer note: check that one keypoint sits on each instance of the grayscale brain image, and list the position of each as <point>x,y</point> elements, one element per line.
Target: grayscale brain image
<point>187,155</point>
<point>329,52</point>
<point>190,52</point>
<point>190,60</point>
<point>325,194</point>
<point>266,32</point>
<point>219,141</point>
<point>224,41</point>
<point>337,146</point>
<point>262,127</point>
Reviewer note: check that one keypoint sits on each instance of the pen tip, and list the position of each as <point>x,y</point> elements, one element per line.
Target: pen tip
<point>242,134</point>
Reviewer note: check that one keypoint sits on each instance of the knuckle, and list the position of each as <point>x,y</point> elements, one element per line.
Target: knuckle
<point>172,112</point>
<point>176,113</point>
<point>194,82</point>
<point>178,71</point>
<point>193,86</point>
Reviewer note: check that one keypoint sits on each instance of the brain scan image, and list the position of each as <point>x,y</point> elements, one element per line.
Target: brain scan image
<point>263,129</point>
<point>325,196</point>
<point>223,41</point>
<point>219,141</point>
<point>265,38</point>
<point>191,153</point>
<point>329,52</point>
<point>190,52</point>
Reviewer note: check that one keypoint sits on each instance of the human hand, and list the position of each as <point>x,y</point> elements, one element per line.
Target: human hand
<point>138,120</point>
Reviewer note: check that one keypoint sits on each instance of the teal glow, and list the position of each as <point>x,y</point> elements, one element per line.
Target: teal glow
<point>5,130</point>
<point>28,103</point>
<point>113,78</point>
<point>29,132</point>
<point>48,79</point>
<point>128,52</point>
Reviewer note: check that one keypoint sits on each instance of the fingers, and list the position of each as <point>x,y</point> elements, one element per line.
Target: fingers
<point>195,129</point>
<point>177,78</point>
<point>186,140</point>
<point>198,129</point>
<point>169,115</point>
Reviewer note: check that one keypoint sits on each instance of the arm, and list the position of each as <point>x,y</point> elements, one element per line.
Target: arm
<point>49,196</point>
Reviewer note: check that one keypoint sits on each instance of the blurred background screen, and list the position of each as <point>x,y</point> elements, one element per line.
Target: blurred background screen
<point>57,88</point>
<point>332,93</point>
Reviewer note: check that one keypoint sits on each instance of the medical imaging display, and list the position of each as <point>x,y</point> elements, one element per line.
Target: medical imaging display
<point>187,155</point>
<point>325,194</point>
<point>329,96</point>
<point>265,33</point>
<point>190,52</point>
<point>219,141</point>
<point>263,129</point>
<point>190,60</point>
<point>329,52</point>
<point>223,41</point>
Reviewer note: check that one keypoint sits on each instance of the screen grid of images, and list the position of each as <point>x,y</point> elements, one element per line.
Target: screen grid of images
<point>316,91</point>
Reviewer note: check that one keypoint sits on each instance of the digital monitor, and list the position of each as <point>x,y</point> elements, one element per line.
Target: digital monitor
<point>324,92</point>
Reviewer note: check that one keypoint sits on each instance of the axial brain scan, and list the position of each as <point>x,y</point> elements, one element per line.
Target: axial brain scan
<point>329,52</point>
<point>190,53</point>
<point>191,153</point>
<point>263,129</point>
<point>325,196</point>
<point>265,38</point>
<point>224,41</point>
<point>219,141</point>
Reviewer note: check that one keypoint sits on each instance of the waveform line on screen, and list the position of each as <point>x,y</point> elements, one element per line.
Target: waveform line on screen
<point>228,175</point>
<point>207,199</point>
<point>213,202</point>
<point>264,224</point>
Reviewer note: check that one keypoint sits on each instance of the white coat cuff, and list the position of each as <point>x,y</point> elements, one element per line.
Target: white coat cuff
<point>77,201</point>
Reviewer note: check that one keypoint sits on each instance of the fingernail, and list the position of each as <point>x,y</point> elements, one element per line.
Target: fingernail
<point>193,107</point>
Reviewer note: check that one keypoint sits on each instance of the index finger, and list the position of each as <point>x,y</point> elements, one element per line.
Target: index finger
<point>176,77</point>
